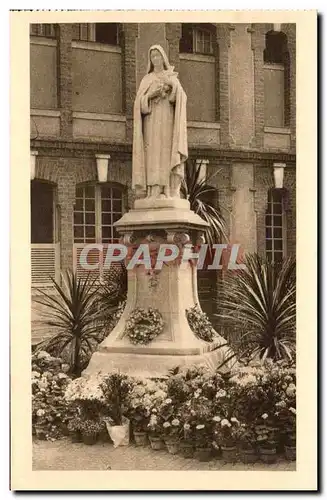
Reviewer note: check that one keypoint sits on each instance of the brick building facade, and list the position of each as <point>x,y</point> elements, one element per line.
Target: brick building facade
<point>240,83</point>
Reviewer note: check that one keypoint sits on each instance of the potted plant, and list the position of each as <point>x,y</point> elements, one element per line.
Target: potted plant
<point>187,442</point>
<point>116,388</point>
<point>247,440</point>
<point>74,427</point>
<point>171,432</point>
<point>290,437</point>
<point>155,432</point>
<point>202,443</point>
<point>266,441</point>
<point>227,434</point>
<point>90,431</point>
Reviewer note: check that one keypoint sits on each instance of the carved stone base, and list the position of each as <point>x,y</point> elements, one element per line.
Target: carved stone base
<point>172,290</point>
<point>151,365</point>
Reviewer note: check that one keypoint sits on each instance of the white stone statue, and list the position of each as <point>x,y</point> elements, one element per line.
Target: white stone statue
<point>160,130</point>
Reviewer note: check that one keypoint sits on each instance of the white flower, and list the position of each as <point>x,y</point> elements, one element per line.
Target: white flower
<point>264,416</point>
<point>168,401</point>
<point>293,410</point>
<point>221,393</point>
<point>225,422</point>
<point>216,419</point>
<point>200,426</point>
<point>187,427</point>
<point>175,422</point>
<point>233,419</point>
<point>291,390</point>
<point>35,374</point>
<point>40,412</point>
<point>166,425</point>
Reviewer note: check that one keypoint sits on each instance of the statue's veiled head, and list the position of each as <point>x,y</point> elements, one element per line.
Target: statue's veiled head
<point>157,59</point>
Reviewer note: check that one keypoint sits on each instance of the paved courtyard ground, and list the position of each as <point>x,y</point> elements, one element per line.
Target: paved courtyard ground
<point>65,455</point>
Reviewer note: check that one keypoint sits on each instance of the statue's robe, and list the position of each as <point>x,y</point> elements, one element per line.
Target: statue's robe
<point>160,133</point>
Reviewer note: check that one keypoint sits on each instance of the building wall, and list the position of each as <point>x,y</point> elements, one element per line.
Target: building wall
<point>82,104</point>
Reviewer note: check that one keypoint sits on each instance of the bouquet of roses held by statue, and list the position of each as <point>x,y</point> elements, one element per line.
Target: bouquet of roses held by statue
<point>165,84</point>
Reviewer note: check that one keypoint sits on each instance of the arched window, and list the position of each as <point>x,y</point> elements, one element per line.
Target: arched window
<point>199,71</point>
<point>107,33</point>
<point>97,208</point>
<point>276,80</point>
<point>46,30</point>
<point>275,226</point>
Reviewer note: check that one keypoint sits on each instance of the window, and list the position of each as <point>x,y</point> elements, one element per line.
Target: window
<point>275,226</point>
<point>42,212</point>
<point>96,209</point>
<point>46,30</point>
<point>276,80</point>
<point>107,33</point>
<point>196,40</point>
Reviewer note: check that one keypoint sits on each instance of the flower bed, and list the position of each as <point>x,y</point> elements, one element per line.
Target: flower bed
<point>248,415</point>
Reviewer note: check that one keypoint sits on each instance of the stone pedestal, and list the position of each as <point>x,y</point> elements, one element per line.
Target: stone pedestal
<point>172,290</point>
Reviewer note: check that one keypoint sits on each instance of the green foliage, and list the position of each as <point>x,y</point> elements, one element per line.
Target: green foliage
<point>197,191</point>
<point>261,301</point>
<point>75,314</point>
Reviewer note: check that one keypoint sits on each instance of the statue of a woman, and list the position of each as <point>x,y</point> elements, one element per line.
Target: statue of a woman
<point>160,129</point>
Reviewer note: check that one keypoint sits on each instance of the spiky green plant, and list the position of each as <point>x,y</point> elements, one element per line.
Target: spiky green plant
<point>197,191</point>
<point>113,290</point>
<point>75,314</point>
<point>261,301</point>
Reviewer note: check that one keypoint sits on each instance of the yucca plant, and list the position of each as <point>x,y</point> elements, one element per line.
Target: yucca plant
<point>75,314</point>
<point>197,191</point>
<point>112,294</point>
<point>261,301</point>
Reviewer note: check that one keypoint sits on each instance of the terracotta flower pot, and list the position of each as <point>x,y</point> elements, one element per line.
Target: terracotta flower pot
<point>290,452</point>
<point>90,439</point>
<point>156,443</point>
<point>268,455</point>
<point>228,453</point>
<point>141,438</point>
<point>203,454</point>
<point>40,433</point>
<point>172,446</point>
<point>186,449</point>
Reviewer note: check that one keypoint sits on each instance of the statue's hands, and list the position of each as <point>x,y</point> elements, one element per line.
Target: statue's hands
<point>155,93</point>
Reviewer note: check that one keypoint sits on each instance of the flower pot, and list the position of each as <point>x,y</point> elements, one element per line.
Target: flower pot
<point>203,454</point>
<point>172,446</point>
<point>119,433</point>
<point>268,455</point>
<point>90,439</point>
<point>156,443</point>
<point>40,433</point>
<point>228,453</point>
<point>186,449</point>
<point>76,436</point>
<point>290,452</point>
<point>249,455</point>
<point>141,438</point>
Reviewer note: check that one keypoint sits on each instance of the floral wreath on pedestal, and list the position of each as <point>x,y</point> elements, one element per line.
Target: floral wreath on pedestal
<point>144,325</point>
